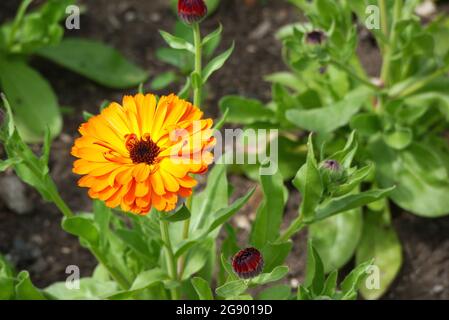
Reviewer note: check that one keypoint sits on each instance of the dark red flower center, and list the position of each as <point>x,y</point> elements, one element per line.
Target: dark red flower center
<point>143,150</point>
<point>248,263</point>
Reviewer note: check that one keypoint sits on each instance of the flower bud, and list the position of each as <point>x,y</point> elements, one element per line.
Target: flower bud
<point>191,11</point>
<point>332,174</point>
<point>247,263</point>
<point>331,165</point>
<point>315,37</point>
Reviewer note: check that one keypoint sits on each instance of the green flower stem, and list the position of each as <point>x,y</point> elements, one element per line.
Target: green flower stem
<point>384,17</point>
<point>171,261</point>
<point>197,93</point>
<point>391,46</point>
<point>60,203</point>
<point>296,226</point>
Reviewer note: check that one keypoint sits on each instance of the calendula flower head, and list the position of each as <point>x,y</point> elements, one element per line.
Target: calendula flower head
<point>248,263</point>
<point>140,154</point>
<point>191,11</point>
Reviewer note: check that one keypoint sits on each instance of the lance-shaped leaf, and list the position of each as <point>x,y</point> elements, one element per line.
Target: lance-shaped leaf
<point>269,215</point>
<point>381,244</point>
<point>308,182</point>
<point>216,63</point>
<point>349,202</point>
<point>96,61</point>
<point>329,118</point>
<point>33,102</point>
<point>202,288</point>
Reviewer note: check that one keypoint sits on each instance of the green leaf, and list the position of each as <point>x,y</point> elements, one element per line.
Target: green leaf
<point>198,257</point>
<point>33,102</point>
<point>163,80</point>
<point>336,238</point>
<point>399,139</point>
<point>354,180</point>
<point>216,63</point>
<point>89,288</point>
<point>279,292</point>
<point>379,242</point>
<point>286,79</point>
<point>213,37</point>
<point>420,174</point>
<point>269,215</point>
<point>196,80</point>
<point>143,281</point>
<point>6,280</point>
<point>366,124</point>
<point>275,254</point>
<point>276,274</point>
<point>82,227</point>
<point>96,61</point>
<point>135,241</point>
<point>202,288</point>
<point>352,281</point>
<point>25,290</point>
<point>314,271</point>
<point>214,222</point>
<point>330,285</point>
<point>245,111</point>
<point>308,182</point>
<point>180,215</point>
<point>224,214</point>
<point>330,118</point>
<point>232,289</point>
<point>212,198</point>
<point>228,267</point>
<point>176,42</point>
<point>349,202</point>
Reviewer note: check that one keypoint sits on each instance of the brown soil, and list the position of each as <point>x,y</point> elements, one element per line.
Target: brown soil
<point>36,242</point>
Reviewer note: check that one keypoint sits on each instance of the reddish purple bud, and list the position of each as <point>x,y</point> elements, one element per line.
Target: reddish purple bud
<point>332,165</point>
<point>315,37</point>
<point>247,263</point>
<point>191,11</point>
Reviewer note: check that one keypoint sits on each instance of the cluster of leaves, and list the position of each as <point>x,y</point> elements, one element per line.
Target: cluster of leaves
<point>132,250</point>
<point>39,33</point>
<point>401,117</point>
<point>181,54</point>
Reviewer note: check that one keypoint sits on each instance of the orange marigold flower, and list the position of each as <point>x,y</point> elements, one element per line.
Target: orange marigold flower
<point>140,154</point>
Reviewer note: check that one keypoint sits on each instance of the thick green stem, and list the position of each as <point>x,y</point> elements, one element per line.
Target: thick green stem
<point>391,46</point>
<point>60,203</point>
<point>296,226</point>
<point>170,258</point>
<point>197,91</point>
<point>197,95</point>
<point>384,17</point>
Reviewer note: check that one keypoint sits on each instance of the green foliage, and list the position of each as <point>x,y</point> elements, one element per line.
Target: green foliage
<point>95,61</point>
<point>319,287</point>
<point>33,101</point>
<point>400,119</point>
<point>181,55</point>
